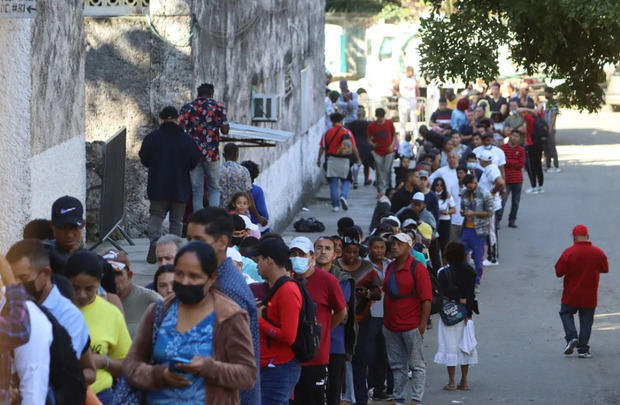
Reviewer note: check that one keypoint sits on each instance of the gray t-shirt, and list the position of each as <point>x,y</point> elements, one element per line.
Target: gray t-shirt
<point>135,306</point>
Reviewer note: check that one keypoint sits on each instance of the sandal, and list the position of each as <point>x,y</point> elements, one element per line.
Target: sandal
<point>463,387</point>
<point>449,387</point>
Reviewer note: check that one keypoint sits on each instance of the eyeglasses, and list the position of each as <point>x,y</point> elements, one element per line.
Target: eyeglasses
<point>350,241</point>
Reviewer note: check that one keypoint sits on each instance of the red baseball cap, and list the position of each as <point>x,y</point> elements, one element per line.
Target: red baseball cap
<point>580,230</point>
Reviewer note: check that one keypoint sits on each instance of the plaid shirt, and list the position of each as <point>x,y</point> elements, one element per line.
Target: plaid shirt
<point>14,332</point>
<point>202,120</point>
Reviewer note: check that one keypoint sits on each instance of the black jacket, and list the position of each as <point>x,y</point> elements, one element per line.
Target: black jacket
<point>170,154</point>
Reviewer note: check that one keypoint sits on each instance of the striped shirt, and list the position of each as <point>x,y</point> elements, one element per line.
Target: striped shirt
<point>515,160</point>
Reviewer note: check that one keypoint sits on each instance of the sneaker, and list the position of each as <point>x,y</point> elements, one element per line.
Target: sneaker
<point>586,355</point>
<point>150,256</point>
<point>570,346</point>
<point>512,225</point>
<point>540,190</point>
<point>335,209</point>
<point>531,190</point>
<point>355,186</point>
<point>477,289</point>
<point>382,396</point>
<point>489,263</point>
<point>367,182</point>
<point>558,170</point>
<point>344,203</point>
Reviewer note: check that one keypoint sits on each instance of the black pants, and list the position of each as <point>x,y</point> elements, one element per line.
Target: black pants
<point>335,378</point>
<point>444,234</point>
<point>311,389</point>
<point>534,154</point>
<point>433,252</point>
<point>514,191</point>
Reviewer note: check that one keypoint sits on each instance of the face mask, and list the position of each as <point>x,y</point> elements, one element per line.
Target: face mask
<point>31,289</point>
<point>514,112</point>
<point>236,241</point>
<point>488,147</point>
<point>300,264</point>
<point>189,294</point>
<point>471,165</point>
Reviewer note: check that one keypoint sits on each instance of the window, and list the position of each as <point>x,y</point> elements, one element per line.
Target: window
<point>386,50</point>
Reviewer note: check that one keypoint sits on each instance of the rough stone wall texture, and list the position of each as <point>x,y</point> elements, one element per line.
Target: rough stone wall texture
<point>41,113</point>
<point>242,48</point>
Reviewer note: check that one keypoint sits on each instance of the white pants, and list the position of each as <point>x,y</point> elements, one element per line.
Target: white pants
<point>407,112</point>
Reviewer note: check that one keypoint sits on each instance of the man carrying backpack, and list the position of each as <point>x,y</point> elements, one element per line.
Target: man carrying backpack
<point>325,292</point>
<point>278,323</point>
<point>407,303</point>
<point>338,144</point>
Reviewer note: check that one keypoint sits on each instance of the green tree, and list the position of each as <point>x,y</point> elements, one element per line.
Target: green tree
<point>570,40</point>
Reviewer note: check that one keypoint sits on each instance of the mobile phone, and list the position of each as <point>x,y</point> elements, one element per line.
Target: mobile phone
<point>176,360</point>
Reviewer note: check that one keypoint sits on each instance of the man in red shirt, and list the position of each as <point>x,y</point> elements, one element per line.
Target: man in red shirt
<point>515,161</point>
<point>382,139</point>
<point>277,320</point>
<point>581,266</point>
<point>534,153</point>
<point>407,306</point>
<point>331,310</point>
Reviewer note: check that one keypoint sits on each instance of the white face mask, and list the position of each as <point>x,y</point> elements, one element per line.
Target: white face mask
<point>300,264</point>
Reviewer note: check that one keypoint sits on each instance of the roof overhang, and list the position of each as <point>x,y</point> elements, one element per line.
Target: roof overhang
<point>255,137</point>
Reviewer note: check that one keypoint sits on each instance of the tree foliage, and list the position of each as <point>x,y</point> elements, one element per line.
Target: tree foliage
<point>570,40</point>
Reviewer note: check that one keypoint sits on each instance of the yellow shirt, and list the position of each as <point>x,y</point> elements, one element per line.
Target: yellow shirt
<point>452,104</point>
<point>108,336</point>
<point>469,221</point>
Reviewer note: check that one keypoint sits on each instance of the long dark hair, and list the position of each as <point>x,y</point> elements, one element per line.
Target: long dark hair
<point>444,193</point>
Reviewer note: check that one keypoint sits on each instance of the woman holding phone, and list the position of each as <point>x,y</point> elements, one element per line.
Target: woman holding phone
<point>201,351</point>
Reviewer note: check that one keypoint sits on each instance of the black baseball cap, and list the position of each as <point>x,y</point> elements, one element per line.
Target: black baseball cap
<point>169,113</point>
<point>274,248</point>
<point>67,210</point>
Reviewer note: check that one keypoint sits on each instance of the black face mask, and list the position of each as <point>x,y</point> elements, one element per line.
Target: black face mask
<point>189,294</point>
<point>31,289</point>
<point>236,241</point>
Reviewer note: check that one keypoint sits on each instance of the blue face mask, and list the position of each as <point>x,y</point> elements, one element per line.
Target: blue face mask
<point>300,264</point>
<point>471,165</point>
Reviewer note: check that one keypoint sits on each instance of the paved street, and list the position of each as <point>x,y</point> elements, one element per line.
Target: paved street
<point>519,331</point>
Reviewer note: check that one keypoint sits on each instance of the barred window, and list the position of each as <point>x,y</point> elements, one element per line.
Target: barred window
<point>110,8</point>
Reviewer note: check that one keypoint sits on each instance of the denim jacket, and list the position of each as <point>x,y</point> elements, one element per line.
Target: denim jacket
<point>483,201</point>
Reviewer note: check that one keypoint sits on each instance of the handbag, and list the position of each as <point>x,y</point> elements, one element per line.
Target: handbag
<point>124,392</point>
<point>452,312</point>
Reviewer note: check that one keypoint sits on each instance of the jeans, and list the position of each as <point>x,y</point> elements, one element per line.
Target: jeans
<point>349,391</point>
<point>106,396</point>
<point>212,171</point>
<point>364,351</point>
<point>383,169</point>
<point>333,189</point>
<point>379,374</point>
<point>475,245</point>
<point>534,153</point>
<point>277,383</point>
<point>586,318</point>
<point>551,152</point>
<point>158,211</point>
<point>513,189</point>
<point>311,389</point>
<point>335,378</point>
<point>404,350</point>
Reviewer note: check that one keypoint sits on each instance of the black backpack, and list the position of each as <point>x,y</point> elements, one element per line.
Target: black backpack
<point>308,339</point>
<point>66,376</point>
<point>541,131</point>
<point>308,225</point>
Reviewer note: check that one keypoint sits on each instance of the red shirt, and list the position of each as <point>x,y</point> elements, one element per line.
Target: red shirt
<point>404,314</point>
<point>325,291</point>
<point>515,160</point>
<point>382,135</point>
<point>333,137</point>
<point>581,266</point>
<point>529,125</point>
<point>279,332</point>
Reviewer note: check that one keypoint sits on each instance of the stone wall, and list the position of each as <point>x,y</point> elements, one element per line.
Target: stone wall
<point>243,48</point>
<point>41,113</point>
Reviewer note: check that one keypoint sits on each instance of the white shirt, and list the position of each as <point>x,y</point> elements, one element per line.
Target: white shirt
<point>407,88</point>
<point>70,317</point>
<point>445,205</point>
<point>487,182</point>
<point>32,360</point>
<point>499,157</point>
<point>457,219</point>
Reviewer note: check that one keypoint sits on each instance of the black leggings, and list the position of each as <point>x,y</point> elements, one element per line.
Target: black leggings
<point>534,154</point>
<point>444,234</point>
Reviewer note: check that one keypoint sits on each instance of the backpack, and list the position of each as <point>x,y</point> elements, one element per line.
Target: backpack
<point>392,287</point>
<point>308,225</point>
<point>308,338</point>
<point>345,148</point>
<point>541,131</point>
<point>66,378</point>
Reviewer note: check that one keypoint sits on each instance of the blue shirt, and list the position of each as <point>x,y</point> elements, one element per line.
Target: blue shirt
<point>458,119</point>
<point>337,338</point>
<point>232,283</point>
<point>172,344</point>
<point>259,201</point>
<point>70,317</point>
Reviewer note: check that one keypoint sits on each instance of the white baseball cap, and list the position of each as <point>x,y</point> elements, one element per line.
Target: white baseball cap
<point>248,223</point>
<point>403,237</point>
<point>302,243</point>
<point>486,156</point>
<point>409,222</point>
<point>418,197</point>
<point>234,255</point>
<point>391,218</point>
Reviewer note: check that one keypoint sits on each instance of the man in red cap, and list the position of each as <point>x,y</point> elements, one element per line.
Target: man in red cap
<point>580,265</point>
